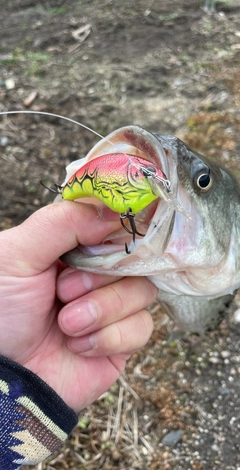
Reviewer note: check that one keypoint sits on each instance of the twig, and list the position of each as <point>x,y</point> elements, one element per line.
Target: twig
<point>147,445</point>
<point>80,35</point>
<point>127,387</point>
<point>135,427</point>
<point>116,426</point>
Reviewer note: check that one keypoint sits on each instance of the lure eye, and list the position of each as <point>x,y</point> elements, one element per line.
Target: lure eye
<point>204,180</point>
<point>148,171</point>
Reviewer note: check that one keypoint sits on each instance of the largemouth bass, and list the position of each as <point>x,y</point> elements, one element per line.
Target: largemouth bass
<point>194,261</point>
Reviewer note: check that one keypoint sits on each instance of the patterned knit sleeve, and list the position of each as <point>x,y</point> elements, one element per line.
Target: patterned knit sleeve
<point>34,420</point>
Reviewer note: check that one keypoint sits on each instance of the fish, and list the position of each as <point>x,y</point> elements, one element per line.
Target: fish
<point>194,261</point>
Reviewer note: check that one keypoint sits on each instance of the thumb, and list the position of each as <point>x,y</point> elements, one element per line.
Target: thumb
<point>51,231</point>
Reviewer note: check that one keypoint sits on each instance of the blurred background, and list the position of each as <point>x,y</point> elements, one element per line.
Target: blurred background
<point>171,67</point>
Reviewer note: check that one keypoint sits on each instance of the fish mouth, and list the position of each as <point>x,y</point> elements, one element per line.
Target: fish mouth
<point>155,221</point>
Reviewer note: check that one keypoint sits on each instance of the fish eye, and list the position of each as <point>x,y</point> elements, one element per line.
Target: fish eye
<point>148,171</point>
<point>204,180</point>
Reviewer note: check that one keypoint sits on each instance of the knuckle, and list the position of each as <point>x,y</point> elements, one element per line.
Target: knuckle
<point>142,291</point>
<point>109,341</point>
<point>145,324</point>
<point>118,338</point>
<point>150,289</point>
<point>117,298</point>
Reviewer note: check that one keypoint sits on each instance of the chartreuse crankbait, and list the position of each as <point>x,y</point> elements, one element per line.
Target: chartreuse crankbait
<point>123,182</point>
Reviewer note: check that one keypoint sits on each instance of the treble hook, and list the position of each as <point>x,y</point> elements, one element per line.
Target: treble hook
<point>58,187</point>
<point>130,216</point>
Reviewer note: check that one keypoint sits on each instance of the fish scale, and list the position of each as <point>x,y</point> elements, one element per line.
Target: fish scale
<point>192,314</point>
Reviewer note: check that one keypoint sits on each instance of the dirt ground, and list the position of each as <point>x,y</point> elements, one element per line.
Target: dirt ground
<point>168,67</point>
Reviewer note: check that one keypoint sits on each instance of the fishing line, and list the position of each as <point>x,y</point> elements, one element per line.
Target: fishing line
<point>59,116</point>
<point>45,113</point>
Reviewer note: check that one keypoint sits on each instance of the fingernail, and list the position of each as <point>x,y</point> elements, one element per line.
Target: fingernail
<point>87,281</point>
<point>76,319</point>
<point>82,345</point>
<point>64,274</point>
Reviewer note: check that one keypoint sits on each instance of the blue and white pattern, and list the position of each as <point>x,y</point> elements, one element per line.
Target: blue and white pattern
<point>34,421</point>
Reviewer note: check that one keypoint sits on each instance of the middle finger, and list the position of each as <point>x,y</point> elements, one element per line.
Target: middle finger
<point>106,305</point>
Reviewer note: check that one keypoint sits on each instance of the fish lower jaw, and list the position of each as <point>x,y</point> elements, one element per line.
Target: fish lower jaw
<point>109,259</point>
<point>112,256</point>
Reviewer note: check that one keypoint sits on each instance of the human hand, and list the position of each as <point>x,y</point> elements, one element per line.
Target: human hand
<point>45,307</point>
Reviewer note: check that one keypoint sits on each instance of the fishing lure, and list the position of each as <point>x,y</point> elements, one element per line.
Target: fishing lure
<point>123,182</point>
<point>119,180</point>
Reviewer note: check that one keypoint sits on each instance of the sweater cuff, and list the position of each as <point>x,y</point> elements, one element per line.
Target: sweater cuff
<point>34,420</point>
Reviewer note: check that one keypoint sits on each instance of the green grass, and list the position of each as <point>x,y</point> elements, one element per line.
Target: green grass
<point>61,10</point>
<point>35,62</point>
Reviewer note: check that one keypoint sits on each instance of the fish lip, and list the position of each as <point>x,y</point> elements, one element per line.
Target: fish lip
<point>137,141</point>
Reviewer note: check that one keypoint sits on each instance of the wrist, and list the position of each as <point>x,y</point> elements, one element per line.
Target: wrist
<point>34,419</point>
